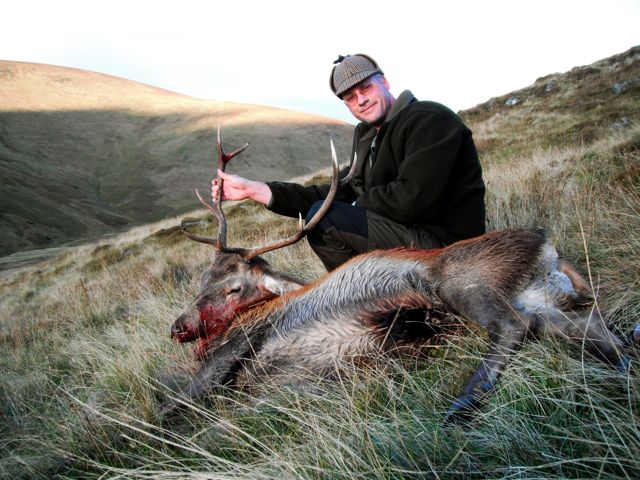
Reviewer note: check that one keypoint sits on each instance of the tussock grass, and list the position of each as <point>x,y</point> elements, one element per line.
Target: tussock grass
<point>86,358</point>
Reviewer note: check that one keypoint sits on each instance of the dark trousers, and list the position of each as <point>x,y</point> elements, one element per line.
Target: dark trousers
<point>346,231</point>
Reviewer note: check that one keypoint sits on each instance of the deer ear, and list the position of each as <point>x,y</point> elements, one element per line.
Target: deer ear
<point>278,286</point>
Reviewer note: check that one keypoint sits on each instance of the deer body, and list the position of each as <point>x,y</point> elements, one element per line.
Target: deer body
<point>255,324</point>
<point>510,282</point>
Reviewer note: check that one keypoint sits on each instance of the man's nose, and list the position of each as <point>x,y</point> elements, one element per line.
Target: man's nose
<point>362,98</point>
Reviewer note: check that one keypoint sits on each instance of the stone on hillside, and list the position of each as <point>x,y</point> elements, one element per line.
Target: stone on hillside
<point>623,122</point>
<point>511,101</point>
<point>626,85</point>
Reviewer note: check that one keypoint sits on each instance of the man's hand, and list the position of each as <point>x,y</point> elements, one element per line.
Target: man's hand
<point>236,187</point>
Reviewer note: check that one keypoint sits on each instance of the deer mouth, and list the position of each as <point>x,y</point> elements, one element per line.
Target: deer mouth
<point>184,336</point>
<point>214,321</point>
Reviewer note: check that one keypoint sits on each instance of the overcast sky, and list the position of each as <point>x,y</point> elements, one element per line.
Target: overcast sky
<point>280,53</point>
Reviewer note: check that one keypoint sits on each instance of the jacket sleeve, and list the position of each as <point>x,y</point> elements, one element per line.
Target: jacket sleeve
<point>425,149</point>
<point>292,199</point>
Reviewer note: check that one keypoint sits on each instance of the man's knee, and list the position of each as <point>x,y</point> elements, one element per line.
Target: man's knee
<point>341,217</point>
<point>313,210</point>
<point>340,235</point>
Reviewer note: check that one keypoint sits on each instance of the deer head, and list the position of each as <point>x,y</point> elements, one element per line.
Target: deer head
<point>237,278</point>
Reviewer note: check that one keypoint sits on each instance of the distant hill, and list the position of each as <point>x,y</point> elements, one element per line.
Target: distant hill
<point>83,153</point>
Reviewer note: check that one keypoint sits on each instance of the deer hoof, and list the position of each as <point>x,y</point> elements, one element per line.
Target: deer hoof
<point>462,410</point>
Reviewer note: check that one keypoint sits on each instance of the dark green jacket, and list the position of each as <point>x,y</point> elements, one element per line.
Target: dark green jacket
<point>425,173</point>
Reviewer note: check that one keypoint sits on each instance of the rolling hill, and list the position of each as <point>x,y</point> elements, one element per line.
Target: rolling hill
<point>84,154</point>
<point>577,107</point>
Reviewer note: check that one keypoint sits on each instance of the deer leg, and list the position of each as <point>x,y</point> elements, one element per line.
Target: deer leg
<point>218,369</point>
<point>587,328</point>
<point>507,334</point>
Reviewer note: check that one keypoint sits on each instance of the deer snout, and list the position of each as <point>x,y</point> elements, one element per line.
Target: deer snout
<point>187,327</point>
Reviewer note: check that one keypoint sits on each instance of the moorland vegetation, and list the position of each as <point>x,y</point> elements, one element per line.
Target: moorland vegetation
<point>86,358</point>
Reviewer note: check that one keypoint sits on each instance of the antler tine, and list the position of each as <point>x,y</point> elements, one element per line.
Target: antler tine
<point>330,196</point>
<point>302,230</point>
<point>204,202</point>
<point>219,242</point>
<point>215,241</point>
<point>223,159</point>
<point>352,171</point>
<point>199,238</point>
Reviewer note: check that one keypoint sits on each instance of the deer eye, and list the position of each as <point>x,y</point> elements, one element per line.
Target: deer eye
<point>234,288</point>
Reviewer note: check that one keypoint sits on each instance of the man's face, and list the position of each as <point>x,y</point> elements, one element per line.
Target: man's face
<point>370,100</point>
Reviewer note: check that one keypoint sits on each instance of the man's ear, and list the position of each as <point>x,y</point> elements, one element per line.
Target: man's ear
<point>385,82</point>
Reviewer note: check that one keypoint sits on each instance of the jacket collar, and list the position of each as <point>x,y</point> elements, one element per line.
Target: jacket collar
<point>404,99</point>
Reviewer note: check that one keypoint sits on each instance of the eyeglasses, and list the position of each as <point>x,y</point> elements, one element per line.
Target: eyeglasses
<point>363,88</point>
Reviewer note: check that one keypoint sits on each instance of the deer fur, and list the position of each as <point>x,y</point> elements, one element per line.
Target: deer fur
<point>510,282</point>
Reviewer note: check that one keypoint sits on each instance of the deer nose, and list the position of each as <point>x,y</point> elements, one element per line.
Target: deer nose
<point>182,331</point>
<point>177,330</point>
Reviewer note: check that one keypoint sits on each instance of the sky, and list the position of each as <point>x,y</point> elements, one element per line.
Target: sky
<point>280,53</point>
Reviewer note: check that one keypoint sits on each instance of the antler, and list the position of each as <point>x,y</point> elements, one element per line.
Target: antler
<point>302,230</point>
<point>352,171</point>
<point>220,242</point>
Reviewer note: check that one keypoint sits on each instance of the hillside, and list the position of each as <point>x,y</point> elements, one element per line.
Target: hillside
<point>84,154</point>
<point>86,358</point>
<point>577,107</point>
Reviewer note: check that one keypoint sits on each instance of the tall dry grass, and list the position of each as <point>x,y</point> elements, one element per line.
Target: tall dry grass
<point>86,358</point>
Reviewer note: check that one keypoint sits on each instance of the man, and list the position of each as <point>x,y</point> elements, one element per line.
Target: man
<point>418,180</point>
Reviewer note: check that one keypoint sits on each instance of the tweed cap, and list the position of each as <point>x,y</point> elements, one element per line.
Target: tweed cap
<point>350,70</point>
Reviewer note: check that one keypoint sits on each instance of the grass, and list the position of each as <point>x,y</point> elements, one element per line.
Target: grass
<point>86,359</point>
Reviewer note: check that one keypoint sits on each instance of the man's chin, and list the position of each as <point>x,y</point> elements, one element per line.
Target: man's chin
<point>373,119</point>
